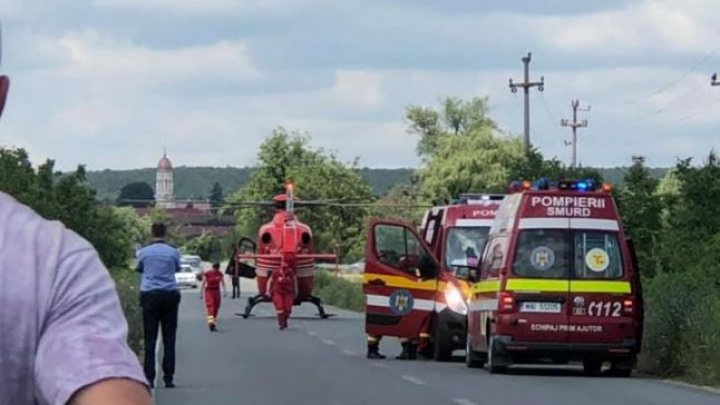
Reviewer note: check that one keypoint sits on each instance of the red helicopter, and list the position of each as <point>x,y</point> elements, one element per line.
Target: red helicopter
<point>282,241</point>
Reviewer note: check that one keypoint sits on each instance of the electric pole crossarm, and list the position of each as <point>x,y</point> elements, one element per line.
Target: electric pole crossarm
<point>715,81</point>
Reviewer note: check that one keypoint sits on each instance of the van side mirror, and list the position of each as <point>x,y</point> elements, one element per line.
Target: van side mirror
<point>427,268</point>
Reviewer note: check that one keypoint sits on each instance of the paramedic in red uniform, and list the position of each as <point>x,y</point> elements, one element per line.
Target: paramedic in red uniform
<point>282,291</point>
<point>210,290</point>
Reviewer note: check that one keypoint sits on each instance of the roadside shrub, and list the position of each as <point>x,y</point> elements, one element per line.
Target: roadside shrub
<point>126,282</point>
<point>339,292</point>
<point>680,320</point>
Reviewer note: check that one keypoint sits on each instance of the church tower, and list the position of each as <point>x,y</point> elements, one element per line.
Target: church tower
<point>164,196</point>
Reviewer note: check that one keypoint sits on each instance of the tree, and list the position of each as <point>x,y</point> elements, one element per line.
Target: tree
<point>694,218</point>
<point>478,161</point>
<point>216,195</point>
<point>455,116</point>
<point>317,175</point>
<point>136,194</point>
<point>640,208</point>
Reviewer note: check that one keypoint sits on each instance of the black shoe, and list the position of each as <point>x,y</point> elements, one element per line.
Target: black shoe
<point>213,328</point>
<point>408,352</point>
<point>412,351</point>
<point>375,355</point>
<point>169,384</point>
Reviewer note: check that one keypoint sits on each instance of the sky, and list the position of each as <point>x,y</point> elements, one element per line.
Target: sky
<point>110,83</point>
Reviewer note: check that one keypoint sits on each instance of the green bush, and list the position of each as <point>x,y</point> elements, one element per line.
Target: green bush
<point>339,292</point>
<point>126,282</point>
<point>682,327</point>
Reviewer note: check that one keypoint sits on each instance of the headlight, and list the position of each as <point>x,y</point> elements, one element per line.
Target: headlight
<point>454,300</point>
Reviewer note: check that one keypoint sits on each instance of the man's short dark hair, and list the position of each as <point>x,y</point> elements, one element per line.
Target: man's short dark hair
<point>216,265</point>
<point>158,230</point>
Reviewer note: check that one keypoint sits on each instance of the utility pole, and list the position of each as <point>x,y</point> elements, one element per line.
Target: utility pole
<point>715,81</point>
<point>575,125</point>
<point>526,85</point>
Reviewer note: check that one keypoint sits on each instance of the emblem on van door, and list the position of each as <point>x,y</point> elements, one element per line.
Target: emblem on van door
<point>401,302</point>
<point>542,258</point>
<point>579,304</point>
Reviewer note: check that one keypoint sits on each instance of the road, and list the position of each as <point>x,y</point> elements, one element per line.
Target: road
<point>319,362</point>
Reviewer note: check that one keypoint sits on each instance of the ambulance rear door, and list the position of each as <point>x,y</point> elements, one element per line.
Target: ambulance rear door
<point>537,284</point>
<point>600,285</point>
<point>400,280</point>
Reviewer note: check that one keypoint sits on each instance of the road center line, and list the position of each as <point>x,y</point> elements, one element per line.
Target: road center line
<point>413,380</point>
<point>311,333</point>
<point>328,342</point>
<point>349,352</point>
<point>463,401</point>
<point>381,365</point>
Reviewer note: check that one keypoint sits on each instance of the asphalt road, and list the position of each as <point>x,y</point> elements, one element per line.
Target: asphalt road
<point>318,362</point>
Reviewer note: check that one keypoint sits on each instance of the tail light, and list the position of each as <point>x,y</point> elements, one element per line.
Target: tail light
<point>506,302</point>
<point>628,305</point>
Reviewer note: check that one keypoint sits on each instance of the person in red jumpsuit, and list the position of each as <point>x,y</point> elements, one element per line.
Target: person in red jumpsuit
<point>282,291</point>
<point>210,290</point>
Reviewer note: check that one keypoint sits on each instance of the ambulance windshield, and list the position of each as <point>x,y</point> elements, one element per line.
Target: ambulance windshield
<point>463,247</point>
<point>551,253</point>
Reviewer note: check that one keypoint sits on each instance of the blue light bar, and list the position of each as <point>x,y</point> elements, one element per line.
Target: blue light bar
<point>545,184</point>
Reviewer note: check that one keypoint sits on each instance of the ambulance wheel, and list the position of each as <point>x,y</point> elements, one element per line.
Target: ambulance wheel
<point>472,358</point>
<point>622,369</point>
<point>592,366</point>
<point>492,362</point>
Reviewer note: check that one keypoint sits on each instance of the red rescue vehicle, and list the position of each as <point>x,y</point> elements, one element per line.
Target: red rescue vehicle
<point>409,292</point>
<point>558,280</point>
<point>456,234</point>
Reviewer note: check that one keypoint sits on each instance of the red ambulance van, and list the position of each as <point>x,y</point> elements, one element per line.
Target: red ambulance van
<point>558,280</point>
<point>456,234</point>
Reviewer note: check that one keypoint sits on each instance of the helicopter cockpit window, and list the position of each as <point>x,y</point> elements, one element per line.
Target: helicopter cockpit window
<point>398,248</point>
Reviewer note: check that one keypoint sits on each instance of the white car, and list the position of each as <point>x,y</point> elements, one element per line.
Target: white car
<point>195,262</point>
<point>186,277</point>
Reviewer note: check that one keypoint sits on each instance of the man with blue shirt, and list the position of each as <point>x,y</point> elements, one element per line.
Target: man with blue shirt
<point>160,298</point>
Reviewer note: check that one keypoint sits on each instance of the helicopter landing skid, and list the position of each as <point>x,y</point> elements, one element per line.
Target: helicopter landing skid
<point>315,301</point>
<point>252,301</point>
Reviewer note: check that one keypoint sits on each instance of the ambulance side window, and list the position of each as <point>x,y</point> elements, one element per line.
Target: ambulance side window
<point>494,258</point>
<point>597,255</point>
<point>542,253</point>
<point>399,248</point>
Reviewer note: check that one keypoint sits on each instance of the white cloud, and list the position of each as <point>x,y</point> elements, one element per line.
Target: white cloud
<point>644,26</point>
<point>358,88</point>
<point>206,6</point>
<point>95,57</point>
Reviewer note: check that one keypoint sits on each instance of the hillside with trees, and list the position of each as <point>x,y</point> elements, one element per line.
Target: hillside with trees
<point>198,182</point>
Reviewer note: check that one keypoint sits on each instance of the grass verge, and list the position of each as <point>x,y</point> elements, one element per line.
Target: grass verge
<point>339,291</point>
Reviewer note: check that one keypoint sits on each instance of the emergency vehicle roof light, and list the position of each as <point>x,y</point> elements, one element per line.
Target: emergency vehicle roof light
<point>471,198</point>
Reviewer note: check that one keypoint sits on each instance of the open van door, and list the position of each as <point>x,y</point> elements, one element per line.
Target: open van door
<point>400,280</point>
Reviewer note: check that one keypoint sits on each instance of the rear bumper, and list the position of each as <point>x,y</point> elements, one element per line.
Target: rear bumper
<point>451,328</point>
<point>187,283</point>
<point>627,349</point>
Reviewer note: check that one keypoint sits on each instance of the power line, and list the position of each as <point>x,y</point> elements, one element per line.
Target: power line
<point>677,81</point>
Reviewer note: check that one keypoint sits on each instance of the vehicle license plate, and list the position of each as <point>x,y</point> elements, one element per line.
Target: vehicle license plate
<point>545,307</point>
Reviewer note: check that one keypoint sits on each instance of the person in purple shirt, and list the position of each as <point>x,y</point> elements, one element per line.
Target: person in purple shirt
<point>63,335</point>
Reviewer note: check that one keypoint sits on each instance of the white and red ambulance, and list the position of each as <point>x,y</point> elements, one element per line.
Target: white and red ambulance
<point>416,285</point>
<point>558,280</point>
<point>456,234</point>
